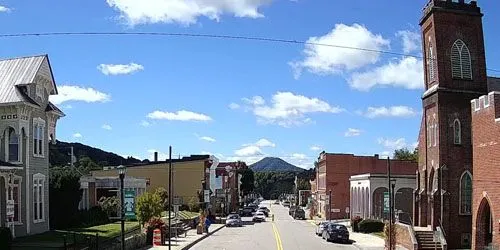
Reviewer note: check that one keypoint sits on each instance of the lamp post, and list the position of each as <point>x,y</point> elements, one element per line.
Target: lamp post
<point>330,206</point>
<point>121,173</point>
<point>391,207</point>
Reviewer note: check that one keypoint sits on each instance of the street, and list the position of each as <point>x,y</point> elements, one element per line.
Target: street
<point>283,233</point>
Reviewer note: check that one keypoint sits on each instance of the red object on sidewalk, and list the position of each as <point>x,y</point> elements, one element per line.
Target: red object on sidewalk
<point>157,237</point>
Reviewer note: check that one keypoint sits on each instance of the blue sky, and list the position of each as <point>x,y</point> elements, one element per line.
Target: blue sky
<point>237,99</point>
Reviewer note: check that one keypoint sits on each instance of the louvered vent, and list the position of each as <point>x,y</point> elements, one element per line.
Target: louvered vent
<point>461,61</point>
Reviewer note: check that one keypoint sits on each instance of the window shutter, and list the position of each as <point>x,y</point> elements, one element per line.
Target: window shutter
<point>456,67</point>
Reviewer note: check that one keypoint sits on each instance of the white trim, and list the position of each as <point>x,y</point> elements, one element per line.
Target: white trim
<point>486,101</point>
<point>28,189</point>
<point>459,132</point>
<point>460,193</point>
<point>38,136</point>
<point>435,132</point>
<point>10,168</point>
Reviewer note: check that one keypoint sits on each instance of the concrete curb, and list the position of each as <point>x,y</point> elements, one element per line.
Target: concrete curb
<point>201,238</point>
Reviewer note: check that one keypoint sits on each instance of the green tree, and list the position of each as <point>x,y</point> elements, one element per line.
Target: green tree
<point>149,205</point>
<point>406,154</point>
<point>64,197</point>
<point>247,181</point>
<point>86,164</point>
<point>163,193</point>
<point>193,204</point>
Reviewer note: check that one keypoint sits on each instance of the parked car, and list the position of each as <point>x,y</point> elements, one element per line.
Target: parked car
<point>299,214</point>
<point>246,211</point>
<point>286,204</point>
<point>259,217</point>
<point>321,227</point>
<point>276,202</point>
<point>336,232</point>
<point>233,220</point>
<point>291,210</point>
<point>264,208</point>
<point>263,211</point>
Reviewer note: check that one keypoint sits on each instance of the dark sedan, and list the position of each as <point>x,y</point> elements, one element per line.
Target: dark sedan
<point>336,232</point>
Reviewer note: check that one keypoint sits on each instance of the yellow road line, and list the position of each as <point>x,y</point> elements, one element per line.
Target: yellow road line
<point>279,244</point>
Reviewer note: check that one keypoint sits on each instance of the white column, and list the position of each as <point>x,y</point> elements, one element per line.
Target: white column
<point>368,191</point>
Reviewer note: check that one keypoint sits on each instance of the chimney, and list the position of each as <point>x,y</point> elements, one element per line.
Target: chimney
<point>156,157</point>
<point>376,156</point>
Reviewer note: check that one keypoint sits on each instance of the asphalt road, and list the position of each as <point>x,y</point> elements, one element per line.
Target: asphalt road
<point>284,233</point>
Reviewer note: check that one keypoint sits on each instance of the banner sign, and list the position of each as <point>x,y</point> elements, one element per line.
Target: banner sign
<point>386,202</point>
<point>129,204</point>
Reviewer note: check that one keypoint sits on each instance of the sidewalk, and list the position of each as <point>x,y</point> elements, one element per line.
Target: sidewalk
<point>364,241</point>
<point>191,239</point>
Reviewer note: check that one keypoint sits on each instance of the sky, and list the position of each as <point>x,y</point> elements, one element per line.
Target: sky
<point>235,99</point>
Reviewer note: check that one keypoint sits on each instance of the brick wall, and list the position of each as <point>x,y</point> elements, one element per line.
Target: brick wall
<point>486,162</point>
<point>340,167</point>
<point>403,237</point>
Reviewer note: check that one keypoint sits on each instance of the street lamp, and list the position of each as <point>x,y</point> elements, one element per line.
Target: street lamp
<point>121,172</point>
<point>330,206</point>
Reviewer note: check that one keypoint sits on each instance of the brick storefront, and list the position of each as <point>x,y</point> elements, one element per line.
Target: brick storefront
<point>486,160</point>
<point>333,173</point>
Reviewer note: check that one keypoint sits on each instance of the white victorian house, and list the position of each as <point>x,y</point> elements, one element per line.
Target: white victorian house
<point>27,125</point>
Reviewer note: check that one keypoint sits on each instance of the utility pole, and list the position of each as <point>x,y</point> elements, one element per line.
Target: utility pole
<point>390,200</point>
<point>170,197</point>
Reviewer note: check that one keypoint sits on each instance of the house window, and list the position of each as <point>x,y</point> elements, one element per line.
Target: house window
<point>457,132</point>
<point>461,60</point>
<point>38,198</point>
<point>13,146</point>
<point>15,194</point>
<point>465,193</point>
<point>38,137</point>
<point>431,64</point>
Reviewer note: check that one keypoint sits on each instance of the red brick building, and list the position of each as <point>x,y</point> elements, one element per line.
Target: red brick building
<point>455,73</point>
<point>333,172</point>
<point>231,183</point>
<point>486,162</point>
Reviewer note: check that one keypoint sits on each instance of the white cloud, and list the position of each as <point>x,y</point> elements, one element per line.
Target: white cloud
<point>145,123</point>
<point>287,109</point>
<point>234,106</point>
<point>392,144</point>
<point>406,72</point>
<point>207,138</point>
<point>76,93</point>
<point>247,151</point>
<point>315,148</point>
<point>106,127</point>
<point>184,12</point>
<point>394,111</point>
<point>324,60</point>
<point>181,115</point>
<point>351,132</point>
<point>385,154</point>
<point>414,145</point>
<point>264,143</point>
<point>119,69</point>
<point>205,153</point>
<point>67,107</point>
<point>297,156</point>
<point>411,41</point>
<point>4,9</point>
<point>77,135</point>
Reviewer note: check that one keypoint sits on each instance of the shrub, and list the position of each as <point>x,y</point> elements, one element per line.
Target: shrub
<point>110,205</point>
<point>193,204</point>
<point>371,226</point>
<point>5,238</point>
<point>355,223</point>
<point>149,205</point>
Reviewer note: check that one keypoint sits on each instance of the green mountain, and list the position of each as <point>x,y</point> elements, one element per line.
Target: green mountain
<point>274,164</point>
<point>60,155</point>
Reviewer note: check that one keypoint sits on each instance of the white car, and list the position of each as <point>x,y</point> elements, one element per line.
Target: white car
<point>321,226</point>
<point>259,217</point>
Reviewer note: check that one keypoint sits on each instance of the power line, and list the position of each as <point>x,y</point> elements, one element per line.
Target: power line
<point>234,37</point>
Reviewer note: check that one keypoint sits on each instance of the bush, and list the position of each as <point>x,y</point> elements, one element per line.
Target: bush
<point>149,205</point>
<point>5,238</point>
<point>371,226</point>
<point>355,223</point>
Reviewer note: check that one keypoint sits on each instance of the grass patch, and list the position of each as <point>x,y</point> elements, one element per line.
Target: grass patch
<point>379,234</point>
<point>56,238</point>
<point>183,215</point>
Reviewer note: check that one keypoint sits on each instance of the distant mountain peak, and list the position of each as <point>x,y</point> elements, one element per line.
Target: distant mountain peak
<point>274,164</point>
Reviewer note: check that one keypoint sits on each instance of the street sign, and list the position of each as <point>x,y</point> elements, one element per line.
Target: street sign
<point>335,210</point>
<point>129,204</point>
<point>10,208</point>
<point>177,201</point>
<point>206,196</point>
<point>386,202</point>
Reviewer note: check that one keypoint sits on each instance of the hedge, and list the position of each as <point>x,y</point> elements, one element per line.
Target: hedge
<point>371,226</point>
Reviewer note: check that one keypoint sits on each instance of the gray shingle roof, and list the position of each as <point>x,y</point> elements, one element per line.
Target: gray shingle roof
<point>16,72</point>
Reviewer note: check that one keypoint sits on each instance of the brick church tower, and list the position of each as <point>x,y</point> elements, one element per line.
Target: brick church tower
<point>455,73</point>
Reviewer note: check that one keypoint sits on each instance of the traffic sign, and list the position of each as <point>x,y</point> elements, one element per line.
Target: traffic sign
<point>129,204</point>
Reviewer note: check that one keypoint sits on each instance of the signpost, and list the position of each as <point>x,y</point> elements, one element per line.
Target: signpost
<point>386,202</point>
<point>129,204</point>
<point>206,195</point>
